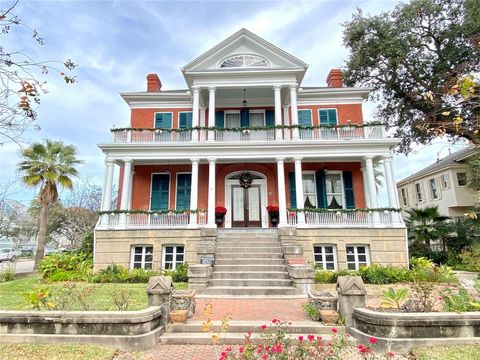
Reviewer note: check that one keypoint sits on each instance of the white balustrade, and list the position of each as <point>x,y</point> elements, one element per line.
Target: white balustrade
<point>332,218</point>
<point>244,135</point>
<point>160,220</point>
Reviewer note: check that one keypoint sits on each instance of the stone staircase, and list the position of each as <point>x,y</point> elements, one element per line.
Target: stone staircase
<point>191,332</point>
<point>249,262</point>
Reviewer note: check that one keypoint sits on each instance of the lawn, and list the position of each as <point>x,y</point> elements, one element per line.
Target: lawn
<point>55,352</point>
<point>463,352</point>
<point>12,293</point>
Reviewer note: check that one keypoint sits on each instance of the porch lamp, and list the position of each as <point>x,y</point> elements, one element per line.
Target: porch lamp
<point>244,98</point>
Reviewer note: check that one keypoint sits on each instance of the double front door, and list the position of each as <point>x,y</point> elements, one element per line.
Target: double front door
<point>246,211</point>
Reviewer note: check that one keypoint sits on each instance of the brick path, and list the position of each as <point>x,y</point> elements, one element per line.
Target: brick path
<point>253,309</point>
<point>182,352</point>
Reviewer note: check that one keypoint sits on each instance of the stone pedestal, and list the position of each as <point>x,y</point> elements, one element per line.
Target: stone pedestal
<point>302,277</point>
<point>292,251</point>
<point>206,245</point>
<point>184,300</point>
<point>198,276</point>
<point>159,293</point>
<point>323,300</point>
<point>351,294</point>
<point>287,236</point>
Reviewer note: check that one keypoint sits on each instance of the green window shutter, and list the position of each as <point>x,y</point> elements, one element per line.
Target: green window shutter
<point>348,190</point>
<point>328,117</point>
<point>269,118</point>
<point>304,118</point>
<point>163,120</point>
<point>219,119</point>
<point>244,118</point>
<point>293,192</point>
<point>160,191</point>
<point>184,183</point>
<point>321,189</point>
<point>185,120</point>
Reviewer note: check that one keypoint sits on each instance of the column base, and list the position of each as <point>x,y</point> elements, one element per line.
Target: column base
<point>192,226</point>
<point>211,226</point>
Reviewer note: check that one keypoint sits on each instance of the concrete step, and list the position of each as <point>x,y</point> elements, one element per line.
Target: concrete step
<point>224,339</point>
<point>235,326</point>
<point>250,290</point>
<point>263,267</point>
<point>260,231</point>
<point>249,261</point>
<point>249,238</point>
<point>249,243</point>
<point>246,249</point>
<point>250,275</point>
<point>235,255</point>
<point>250,282</point>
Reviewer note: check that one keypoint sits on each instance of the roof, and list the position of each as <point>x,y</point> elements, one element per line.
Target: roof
<point>457,157</point>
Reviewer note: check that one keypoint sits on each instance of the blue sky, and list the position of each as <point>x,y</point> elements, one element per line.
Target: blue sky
<point>116,43</point>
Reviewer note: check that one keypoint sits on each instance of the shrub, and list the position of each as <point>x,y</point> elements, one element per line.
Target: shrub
<point>7,275</point>
<point>180,274</point>
<point>114,273</point>
<point>378,274</point>
<point>422,298</point>
<point>394,298</point>
<point>312,311</point>
<point>121,299</point>
<point>325,277</point>
<point>66,262</point>
<point>459,302</point>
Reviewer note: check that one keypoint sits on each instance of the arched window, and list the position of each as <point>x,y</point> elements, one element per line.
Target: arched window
<point>244,61</point>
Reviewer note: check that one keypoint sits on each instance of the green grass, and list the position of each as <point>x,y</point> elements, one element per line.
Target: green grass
<point>55,352</point>
<point>12,293</point>
<point>462,352</point>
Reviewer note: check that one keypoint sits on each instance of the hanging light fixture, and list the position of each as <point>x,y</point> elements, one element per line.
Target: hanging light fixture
<point>244,98</point>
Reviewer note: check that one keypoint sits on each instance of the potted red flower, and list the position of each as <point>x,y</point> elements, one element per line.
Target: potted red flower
<point>220,212</point>
<point>273,213</point>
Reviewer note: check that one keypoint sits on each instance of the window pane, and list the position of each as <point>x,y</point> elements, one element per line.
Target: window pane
<point>232,121</point>
<point>137,265</point>
<point>308,183</point>
<point>137,258</point>
<point>351,266</point>
<point>330,266</point>
<point>329,249</point>
<point>256,120</point>
<point>148,257</point>
<point>350,250</point>
<point>350,258</point>
<point>138,249</point>
<point>180,257</point>
<point>149,250</point>
<point>362,258</point>
<point>317,249</point>
<point>148,266</point>
<point>179,249</point>
<point>361,249</point>
<point>318,258</point>
<point>329,258</point>
<point>168,265</point>
<point>168,257</point>
<point>168,249</point>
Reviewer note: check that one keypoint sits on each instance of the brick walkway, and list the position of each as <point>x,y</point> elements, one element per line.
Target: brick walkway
<point>253,309</point>
<point>182,352</point>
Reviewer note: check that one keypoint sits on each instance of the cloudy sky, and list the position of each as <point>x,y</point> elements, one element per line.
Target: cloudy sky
<point>116,43</point>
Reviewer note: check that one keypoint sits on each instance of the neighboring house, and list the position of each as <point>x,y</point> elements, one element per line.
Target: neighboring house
<point>13,214</point>
<point>443,184</point>
<point>232,139</point>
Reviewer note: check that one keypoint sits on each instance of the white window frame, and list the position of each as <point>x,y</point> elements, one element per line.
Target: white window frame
<point>445,181</point>
<point>174,258</point>
<point>257,111</point>
<point>309,172</point>
<point>328,172</point>
<point>164,112</point>
<point>356,262</point>
<point>323,253</point>
<point>230,112</point>
<point>456,175</point>
<point>418,191</point>
<point>404,196</point>
<point>144,253</point>
<point>432,181</point>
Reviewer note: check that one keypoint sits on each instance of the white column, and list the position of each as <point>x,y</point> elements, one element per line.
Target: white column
<point>366,190</point>
<point>127,178</point>
<point>211,112</point>
<point>211,193</point>
<point>203,118</point>
<point>195,112</point>
<point>299,190</point>
<point>194,192</point>
<point>286,122</point>
<point>391,189</point>
<point>107,190</point>
<point>282,199</point>
<point>278,111</point>
<point>293,104</point>
<point>131,189</point>
<point>372,189</point>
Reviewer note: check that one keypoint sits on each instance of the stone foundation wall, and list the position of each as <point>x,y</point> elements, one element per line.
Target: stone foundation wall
<point>115,246</point>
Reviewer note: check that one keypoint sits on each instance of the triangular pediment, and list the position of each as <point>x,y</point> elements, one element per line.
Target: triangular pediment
<point>243,51</point>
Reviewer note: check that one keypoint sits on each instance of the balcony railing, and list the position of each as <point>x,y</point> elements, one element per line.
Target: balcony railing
<point>341,218</point>
<point>268,134</point>
<point>154,220</point>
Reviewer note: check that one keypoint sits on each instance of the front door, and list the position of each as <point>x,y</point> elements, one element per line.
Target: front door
<point>246,206</point>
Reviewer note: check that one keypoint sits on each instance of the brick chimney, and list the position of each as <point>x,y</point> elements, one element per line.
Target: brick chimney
<point>153,83</point>
<point>335,78</point>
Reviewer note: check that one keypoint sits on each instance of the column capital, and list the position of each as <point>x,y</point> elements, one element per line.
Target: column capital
<point>195,159</point>
<point>387,158</point>
<point>196,88</point>
<point>212,159</point>
<point>212,88</point>
<point>277,87</point>
<point>293,87</point>
<point>297,158</point>
<point>280,158</point>
<point>285,107</point>
<point>110,162</point>
<point>368,158</point>
<point>128,161</point>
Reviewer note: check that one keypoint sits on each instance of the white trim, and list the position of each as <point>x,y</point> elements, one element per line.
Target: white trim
<point>174,254</point>
<point>151,183</point>
<point>355,254</point>
<point>178,117</point>
<point>219,64</point>
<point>263,196</point>
<point>144,253</point>
<point>314,183</point>
<point>456,177</point>
<point>176,185</point>
<point>340,172</point>
<point>335,258</point>
<point>162,112</point>
<point>336,114</point>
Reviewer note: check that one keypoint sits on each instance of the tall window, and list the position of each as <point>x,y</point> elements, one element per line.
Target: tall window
<point>357,257</point>
<point>404,195</point>
<point>141,257</point>
<point>434,189</point>
<point>334,185</point>
<point>328,116</point>
<point>444,181</point>
<point>325,256</point>
<point>461,179</point>
<point>419,192</point>
<point>309,191</point>
<point>232,120</point>
<point>173,255</point>
<point>256,119</point>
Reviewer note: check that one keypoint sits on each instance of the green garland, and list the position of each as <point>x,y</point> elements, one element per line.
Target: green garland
<point>253,128</point>
<point>362,210</point>
<point>150,212</point>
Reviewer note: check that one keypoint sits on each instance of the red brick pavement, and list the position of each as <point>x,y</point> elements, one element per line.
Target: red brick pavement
<point>253,309</point>
<point>182,352</point>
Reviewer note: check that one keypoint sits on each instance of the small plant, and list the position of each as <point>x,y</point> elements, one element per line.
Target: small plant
<point>394,298</point>
<point>312,311</point>
<point>40,299</point>
<point>459,302</point>
<point>221,210</point>
<point>121,299</point>
<point>422,298</point>
<point>7,275</point>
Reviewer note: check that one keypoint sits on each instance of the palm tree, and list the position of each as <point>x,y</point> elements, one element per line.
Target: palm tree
<point>47,165</point>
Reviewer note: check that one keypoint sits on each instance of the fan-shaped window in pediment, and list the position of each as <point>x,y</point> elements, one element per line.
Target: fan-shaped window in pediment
<point>244,61</point>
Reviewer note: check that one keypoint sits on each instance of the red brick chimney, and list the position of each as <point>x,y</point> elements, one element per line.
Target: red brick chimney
<point>153,83</point>
<point>335,78</point>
